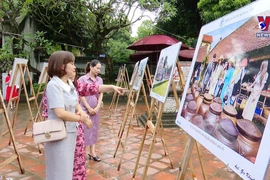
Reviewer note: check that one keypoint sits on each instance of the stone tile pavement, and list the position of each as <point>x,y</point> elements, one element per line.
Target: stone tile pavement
<point>159,167</point>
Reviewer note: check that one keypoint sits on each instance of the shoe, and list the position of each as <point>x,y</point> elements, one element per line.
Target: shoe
<point>96,158</point>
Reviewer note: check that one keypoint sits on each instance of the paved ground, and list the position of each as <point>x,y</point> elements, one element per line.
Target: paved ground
<point>159,167</point>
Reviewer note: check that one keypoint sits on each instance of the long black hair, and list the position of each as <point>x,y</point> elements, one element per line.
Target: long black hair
<point>92,63</point>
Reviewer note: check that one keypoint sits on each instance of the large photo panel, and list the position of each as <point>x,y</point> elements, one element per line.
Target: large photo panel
<point>164,72</point>
<point>140,74</point>
<point>18,75</point>
<point>226,101</point>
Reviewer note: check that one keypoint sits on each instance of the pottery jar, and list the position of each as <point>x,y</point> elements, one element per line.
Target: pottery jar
<point>229,112</point>
<point>198,121</point>
<point>190,111</point>
<point>207,98</point>
<point>227,133</point>
<point>211,117</point>
<point>217,100</point>
<point>249,138</point>
<point>189,97</point>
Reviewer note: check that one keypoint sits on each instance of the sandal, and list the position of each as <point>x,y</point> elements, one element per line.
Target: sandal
<point>96,158</point>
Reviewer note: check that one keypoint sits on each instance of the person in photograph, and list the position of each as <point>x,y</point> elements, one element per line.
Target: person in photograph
<point>207,74</point>
<point>91,105</point>
<point>236,74</point>
<point>226,81</point>
<point>215,76</point>
<point>62,103</point>
<point>221,78</point>
<point>8,90</point>
<point>255,88</point>
<point>237,81</point>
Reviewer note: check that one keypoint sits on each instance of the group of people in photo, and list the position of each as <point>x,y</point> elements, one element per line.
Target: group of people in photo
<point>224,78</point>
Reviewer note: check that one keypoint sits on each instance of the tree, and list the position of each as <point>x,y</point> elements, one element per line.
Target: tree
<point>9,13</point>
<point>211,10</point>
<point>185,25</point>
<point>65,21</point>
<point>90,23</point>
<point>146,28</point>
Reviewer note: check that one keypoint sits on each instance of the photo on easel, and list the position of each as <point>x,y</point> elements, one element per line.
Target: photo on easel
<point>225,105</point>
<point>43,74</point>
<point>134,73</point>
<point>17,76</point>
<point>164,72</point>
<point>140,74</point>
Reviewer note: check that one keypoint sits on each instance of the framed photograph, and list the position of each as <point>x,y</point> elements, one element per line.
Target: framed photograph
<point>17,76</point>
<point>164,72</point>
<point>43,73</point>
<point>134,73</point>
<point>140,74</point>
<point>225,102</point>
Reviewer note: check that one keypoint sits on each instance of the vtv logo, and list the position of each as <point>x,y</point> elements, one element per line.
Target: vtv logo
<point>263,23</point>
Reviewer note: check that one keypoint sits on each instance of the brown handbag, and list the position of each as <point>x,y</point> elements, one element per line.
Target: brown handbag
<point>49,130</point>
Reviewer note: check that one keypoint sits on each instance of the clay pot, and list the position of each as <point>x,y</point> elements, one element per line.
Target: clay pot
<point>207,98</point>
<point>211,117</point>
<point>198,121</point>
<point>189,97</point>
<point>249,138</point>
<point>229,112</point>
<point>217,100</point>
<point>227,133</point>
<point>190,111</point>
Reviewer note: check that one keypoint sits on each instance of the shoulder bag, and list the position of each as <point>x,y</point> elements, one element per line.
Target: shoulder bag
<point>49,130</point>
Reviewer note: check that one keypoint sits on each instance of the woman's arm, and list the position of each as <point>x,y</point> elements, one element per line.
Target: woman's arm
<point>96,109</point>
<point>68,116</point>
<point>107,88</point>
<point>85,103</point>
<point>86,89</point>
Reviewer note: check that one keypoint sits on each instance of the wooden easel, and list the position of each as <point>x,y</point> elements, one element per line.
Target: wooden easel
<point>131,106</point>
<point>43,80</point>
<point>21,69</point>
<point>16,155</point>
<point>122,81</point>
<point>156,108</point>
<point>186,159</point>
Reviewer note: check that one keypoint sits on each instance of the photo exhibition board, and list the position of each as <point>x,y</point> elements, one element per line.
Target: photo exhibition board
<point>134,73</point>
<point>43,72</point>
<point>18,74</point>
<point>225,100</point>
<point>140,74</point>
<point>164,72</point>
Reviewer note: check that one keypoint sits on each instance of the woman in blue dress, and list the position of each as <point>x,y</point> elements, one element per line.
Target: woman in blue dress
<point>227,80</point>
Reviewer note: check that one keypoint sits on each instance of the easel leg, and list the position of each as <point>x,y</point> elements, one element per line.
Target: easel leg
<point>140,151</point>
<point>186,158</point>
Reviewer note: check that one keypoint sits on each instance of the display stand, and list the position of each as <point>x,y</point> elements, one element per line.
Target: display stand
<point>186,159</point>
<point>121,81</point>
<point>3,110</point>
<point>131,106</point>
<point>43,79</point>
<point>20,70</point>
<point>157,109</point>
